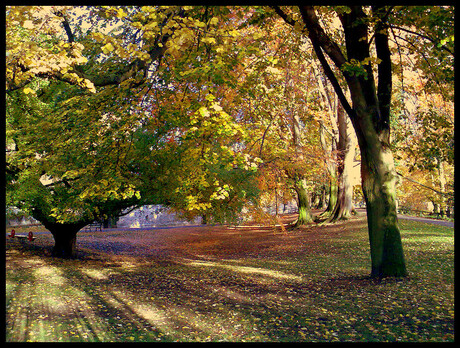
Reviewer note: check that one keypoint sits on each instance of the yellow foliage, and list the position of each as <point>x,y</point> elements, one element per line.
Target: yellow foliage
<point>107,48</point>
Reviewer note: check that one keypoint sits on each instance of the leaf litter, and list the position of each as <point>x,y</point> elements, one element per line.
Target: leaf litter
<point>205,284</point>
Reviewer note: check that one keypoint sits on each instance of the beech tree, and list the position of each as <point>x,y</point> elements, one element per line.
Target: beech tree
<point>85,91</point>
<point>149,82</point>
<point>345,160</point>
<point>339,154</point>
<point>366,32</point>
<point>279,92</point>
<point>370,115</point>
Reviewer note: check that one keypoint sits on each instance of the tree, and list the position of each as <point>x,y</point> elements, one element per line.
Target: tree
<point>192,122</point>
<point>63,180</point>
<point>339,155</point>
<point>86,164</point>
<point>424,140</point>
<point>370,109</point>
<point>369,113</point>
<point>76,169</point>
<point>345,158</point>
<point>279,89</point>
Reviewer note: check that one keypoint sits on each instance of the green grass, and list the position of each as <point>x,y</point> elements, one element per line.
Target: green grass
<point>321,292</point>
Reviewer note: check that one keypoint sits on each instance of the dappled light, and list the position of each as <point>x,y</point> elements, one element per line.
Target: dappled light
<point>229,173</point>
<point>202,284</point>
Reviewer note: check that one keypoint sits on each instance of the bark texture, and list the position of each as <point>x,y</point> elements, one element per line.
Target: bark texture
<point>345,154</point>
<point>303,204</point>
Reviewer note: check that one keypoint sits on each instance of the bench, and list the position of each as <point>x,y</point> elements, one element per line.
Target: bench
<point>29,236</point>
<point>95,225</point>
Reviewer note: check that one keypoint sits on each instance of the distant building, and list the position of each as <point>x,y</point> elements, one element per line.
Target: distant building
<point>152,216</point>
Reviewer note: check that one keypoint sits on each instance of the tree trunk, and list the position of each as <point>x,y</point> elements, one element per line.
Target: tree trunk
<point>332,195</point>
<point>332,170</point>
<point>65,235</point>
<point>370,115</point>
<point>303,204</point>
<point>442,186</point>
<point>65,240</point>
<point>345,155</point>
<point>324,198</point>
<point>378,182</point>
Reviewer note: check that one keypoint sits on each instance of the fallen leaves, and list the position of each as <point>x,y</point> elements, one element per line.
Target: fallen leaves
<point>165,298</point>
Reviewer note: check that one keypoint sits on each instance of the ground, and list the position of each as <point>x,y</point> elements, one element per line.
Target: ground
<point>224,283</point>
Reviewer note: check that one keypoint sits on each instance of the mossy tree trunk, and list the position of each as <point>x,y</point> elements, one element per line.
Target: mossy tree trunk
<point>370,116</point>
<point>303,203</point>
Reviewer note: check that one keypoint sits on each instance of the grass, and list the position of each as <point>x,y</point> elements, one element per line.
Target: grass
<point>240,284</point>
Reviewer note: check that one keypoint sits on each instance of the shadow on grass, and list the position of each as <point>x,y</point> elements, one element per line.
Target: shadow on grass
<point>168,299</point>
<point>213,287</point>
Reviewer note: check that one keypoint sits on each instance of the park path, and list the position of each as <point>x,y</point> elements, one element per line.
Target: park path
<point>427,220</point>
<point>416,218</point>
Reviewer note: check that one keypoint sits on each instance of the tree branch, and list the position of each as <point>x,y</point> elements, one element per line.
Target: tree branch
<point>66,25</point>
<point>430,188</point>
<point>317,34</point>
<point>434,41</point>
<point>384,70</point>
<point>331,76</point>
<point>321,41</point>
<point>283,15</point>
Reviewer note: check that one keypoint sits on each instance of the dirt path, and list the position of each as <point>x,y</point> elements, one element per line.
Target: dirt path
<point>416,218</point>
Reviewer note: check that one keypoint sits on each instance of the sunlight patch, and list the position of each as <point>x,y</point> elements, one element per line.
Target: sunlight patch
<point>34,262</point>
<point>247,269</point>
<point>50,274</point>
<point>95,274</point>
<point>152,315</point>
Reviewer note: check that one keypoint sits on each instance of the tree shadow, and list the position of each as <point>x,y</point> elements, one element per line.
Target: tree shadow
<point>162,299</point>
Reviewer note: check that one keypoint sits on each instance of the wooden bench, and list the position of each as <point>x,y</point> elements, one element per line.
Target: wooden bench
<point>29,236</point>
<point>95,225</point>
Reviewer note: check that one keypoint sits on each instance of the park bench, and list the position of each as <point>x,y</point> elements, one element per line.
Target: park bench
<point>29,236</point>
<point>96,225</point>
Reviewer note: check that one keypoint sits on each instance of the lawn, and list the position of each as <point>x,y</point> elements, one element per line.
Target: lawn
<point>254,283</point>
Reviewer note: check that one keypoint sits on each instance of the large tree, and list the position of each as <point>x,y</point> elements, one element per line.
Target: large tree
<point>365,54</point>
<point>111,118</point>
<point>370,115</point>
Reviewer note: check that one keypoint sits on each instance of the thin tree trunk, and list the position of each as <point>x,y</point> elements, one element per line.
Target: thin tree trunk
<point>345,155</point>
<point>332,170</point>
<point>324,198</point>
<point>442,186</point>
<point>300,186</point>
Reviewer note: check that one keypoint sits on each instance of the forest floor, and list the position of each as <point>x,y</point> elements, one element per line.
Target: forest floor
<point>230,283</point>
